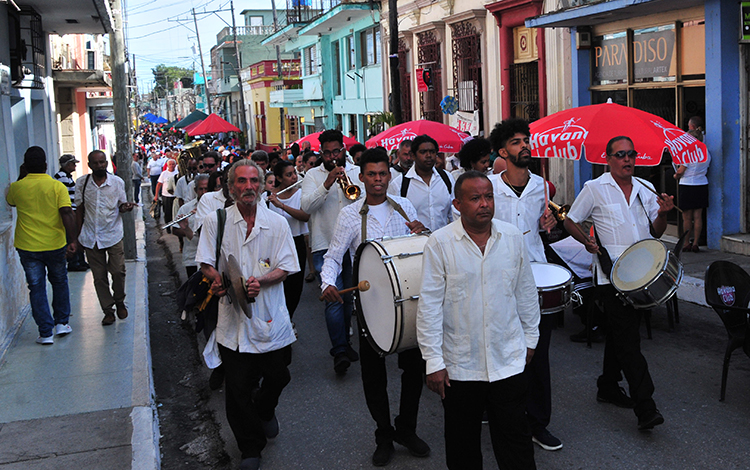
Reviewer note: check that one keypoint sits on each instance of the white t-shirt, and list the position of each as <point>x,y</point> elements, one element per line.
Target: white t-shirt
<point>164,177</point>
<point>297,226</point>
<point>695,173</point>
<point>189,246</point>
<point>381,212</point>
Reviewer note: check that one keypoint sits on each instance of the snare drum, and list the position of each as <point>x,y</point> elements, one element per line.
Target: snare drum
<point>554,285</point>
<point>647,274</point>
<point>387,311</point>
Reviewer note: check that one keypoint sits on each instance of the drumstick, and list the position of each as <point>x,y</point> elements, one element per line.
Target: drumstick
<point>655,192</point>
<point>584,235</point>
<point>362,286</point>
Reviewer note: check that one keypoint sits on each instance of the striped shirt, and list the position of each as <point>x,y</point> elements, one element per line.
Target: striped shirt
<point>69,183</point>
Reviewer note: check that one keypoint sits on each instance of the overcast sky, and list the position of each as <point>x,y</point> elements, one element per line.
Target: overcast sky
<point>163,31</point>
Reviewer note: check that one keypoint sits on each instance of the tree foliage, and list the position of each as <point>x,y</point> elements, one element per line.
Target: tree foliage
<point>165,77</point>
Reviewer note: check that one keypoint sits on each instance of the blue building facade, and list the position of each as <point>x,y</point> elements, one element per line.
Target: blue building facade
<point>676,59</point>
<point>341,64</point>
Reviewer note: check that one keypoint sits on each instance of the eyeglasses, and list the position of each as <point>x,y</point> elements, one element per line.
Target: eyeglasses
<point>625,153</point>
<point>207,165</point>
<point>334,152</point>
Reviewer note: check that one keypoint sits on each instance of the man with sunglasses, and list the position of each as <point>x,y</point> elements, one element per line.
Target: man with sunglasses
<point>323,199</point>
<point>624,211</point>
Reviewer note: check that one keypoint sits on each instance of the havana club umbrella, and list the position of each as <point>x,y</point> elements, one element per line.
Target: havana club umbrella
<point>587,129</point>
<point>213,124</point>
<point>449,138</point>
<point>315,143</point>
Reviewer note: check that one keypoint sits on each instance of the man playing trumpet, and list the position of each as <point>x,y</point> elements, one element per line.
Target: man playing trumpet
<point>378,216</point>
<point>323,198</point>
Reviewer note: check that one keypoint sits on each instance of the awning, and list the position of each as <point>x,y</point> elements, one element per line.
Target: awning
<point>606,11</point>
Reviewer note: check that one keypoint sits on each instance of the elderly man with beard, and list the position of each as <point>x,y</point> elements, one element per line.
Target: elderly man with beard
<point>256,347</point>
<point>100,201</point>
<point>520,201</point>
<point>323,199</point>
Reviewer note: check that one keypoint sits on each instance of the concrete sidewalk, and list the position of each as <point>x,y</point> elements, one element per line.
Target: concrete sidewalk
<point>85,402</point>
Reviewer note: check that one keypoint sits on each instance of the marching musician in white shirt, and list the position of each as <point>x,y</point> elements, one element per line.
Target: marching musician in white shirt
<point>477,327</point>
<point>323,199</point>
<point>520,201</point>
<point>249,348</point>
<point>379,215</point>
<point>428,188</point>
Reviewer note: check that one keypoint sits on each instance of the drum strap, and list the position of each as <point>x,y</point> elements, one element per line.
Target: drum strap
<point>650,224</point>
<point>365,209</point>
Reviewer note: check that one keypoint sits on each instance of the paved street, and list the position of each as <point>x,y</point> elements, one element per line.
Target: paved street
<point>325,423</point>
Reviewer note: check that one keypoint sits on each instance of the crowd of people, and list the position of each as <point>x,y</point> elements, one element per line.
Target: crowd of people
<point>482,341</point>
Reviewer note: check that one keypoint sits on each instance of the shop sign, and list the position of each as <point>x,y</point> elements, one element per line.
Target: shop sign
<point>653,53</point>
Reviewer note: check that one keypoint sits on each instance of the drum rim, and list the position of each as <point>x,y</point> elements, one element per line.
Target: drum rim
<point>397,330</point>
<point>664,264</point>
<point>555,286</point>
<point>672,290</point>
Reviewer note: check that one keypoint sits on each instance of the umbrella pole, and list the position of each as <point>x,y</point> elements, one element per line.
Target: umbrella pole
<point>546,186</point>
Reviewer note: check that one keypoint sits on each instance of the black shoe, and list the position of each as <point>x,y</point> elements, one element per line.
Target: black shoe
<point>351,354</point>
<point>270,428</point>
<point>383,454</point>
<point>597,336</point>
<point>546,440</point>
<point>649,420</point>
<point>417,447</point>
<point>77,268</point>
<point>341,363</point>
<point>216,379</point>
<point>616,396</point>
<point>250,463</point>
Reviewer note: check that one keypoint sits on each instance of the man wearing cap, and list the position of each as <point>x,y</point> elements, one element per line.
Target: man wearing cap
<point>65,176</point>
<point>45,233</point>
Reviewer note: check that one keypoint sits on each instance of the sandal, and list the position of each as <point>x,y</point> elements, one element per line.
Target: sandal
<point>310,277</point>
<point>695,249</point>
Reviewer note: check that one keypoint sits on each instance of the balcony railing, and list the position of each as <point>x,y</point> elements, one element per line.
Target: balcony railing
<point>262,30</point>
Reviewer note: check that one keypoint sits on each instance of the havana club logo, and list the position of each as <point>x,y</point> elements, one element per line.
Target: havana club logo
<point>727,294</point>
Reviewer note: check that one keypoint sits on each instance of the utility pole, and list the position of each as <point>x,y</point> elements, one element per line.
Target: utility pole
<point>237,55</point>
<point>280,73</point>
<point>203,67</point>
<point>120,103</point>
<point>393,60</point>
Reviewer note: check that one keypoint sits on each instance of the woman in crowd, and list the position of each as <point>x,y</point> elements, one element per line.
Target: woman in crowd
<point>693,195</point>
<point>288,205</point>
<point>474,155</point>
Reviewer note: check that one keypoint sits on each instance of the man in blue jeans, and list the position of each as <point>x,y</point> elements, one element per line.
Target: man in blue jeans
<point>45,233</point>
<point>323,198</point>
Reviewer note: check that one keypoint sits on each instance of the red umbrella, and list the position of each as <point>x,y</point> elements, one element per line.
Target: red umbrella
<point>449,138</point>
<point>211,125</point>
<point>586,130</point>
<point>192,126</point>
<point>315,143</point>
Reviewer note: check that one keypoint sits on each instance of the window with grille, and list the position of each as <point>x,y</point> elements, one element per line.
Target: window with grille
<point>467,66</point>
<point>311,60</point>
<point>370,44</point>
<point>352,55</point>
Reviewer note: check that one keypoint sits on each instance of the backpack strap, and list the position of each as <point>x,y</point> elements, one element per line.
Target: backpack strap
<point>404,184</point>
<point>444,175</point>
<point>221,219</point>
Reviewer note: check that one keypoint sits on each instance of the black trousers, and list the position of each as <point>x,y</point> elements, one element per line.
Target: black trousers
<point>539,401</point>
<point>294,283</point>
<point>190,270</point>
<point>245,411</point>
<point>167,203</point>
<point>375,384</point>
<point>505,401</point>
<point>622,353</point>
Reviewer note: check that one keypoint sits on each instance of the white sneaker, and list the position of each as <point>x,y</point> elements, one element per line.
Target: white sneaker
<point>45,340</point>
<point>62,330</point>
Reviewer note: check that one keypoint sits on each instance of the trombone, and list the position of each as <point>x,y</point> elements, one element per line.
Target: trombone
<point>351,190</point>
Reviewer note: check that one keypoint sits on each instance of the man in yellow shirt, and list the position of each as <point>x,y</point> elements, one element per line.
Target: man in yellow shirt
<point>45,233</point>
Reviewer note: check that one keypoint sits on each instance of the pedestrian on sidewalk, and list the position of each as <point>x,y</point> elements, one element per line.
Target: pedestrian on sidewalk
<point>101,199</point>
<point>137,175</point>
<point>257,347</point>
<point>65,176</point>
<point>45,233</point>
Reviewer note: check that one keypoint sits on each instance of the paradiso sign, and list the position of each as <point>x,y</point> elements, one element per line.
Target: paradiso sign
<point>653,56</point>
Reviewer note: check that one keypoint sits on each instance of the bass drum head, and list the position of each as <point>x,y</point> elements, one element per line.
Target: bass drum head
<point>638,265</point>
<point>377,311</point>
<point>550,275</point>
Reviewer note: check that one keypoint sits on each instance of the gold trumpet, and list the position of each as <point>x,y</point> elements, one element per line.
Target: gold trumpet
<point>560,212</point>
<point>351,190</point>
